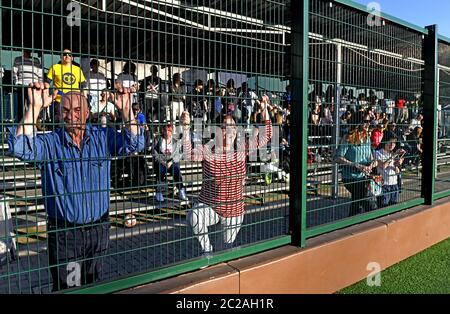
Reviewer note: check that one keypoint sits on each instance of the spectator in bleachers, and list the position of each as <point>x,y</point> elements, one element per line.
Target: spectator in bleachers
<point>355,155</point>
<point>97,83</point>
<point>326,121</point>
<point>416,122</point>
<point>275,164</point>
<point>197,104</point>
<point>223,160</point>
<point>26,70</point>
<point>377,135</point>
<point>314,120</point>
<point>151,88</point>
<point>249,100</point>
<point>66,77</point>
<point>167,155</point>
<point>389,166</point>
<point>344,123</point>
<point>75,167</point>
<point>128,79</point>
<point>177,98</point>
<point>362,102</point>
<point>230,101</point>
<point>373,99</point>
<point>401,110</point>
<point>382,117</point>
<point>371,111</point>
<point>103,111</point>
<point>214,101</point>
<point>287,98</point>
<point>414,146</point>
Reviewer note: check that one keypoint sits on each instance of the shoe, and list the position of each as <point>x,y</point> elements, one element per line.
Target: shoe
<point>182,195</point>
<point>159,197</point>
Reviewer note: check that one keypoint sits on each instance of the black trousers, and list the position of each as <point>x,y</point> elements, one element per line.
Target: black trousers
<point>360,201</point>
<point>76,253</point>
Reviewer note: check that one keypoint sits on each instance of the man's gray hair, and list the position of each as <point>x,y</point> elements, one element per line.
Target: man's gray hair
<point>74,94</point>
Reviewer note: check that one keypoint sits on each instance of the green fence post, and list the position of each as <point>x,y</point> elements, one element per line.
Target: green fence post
<point>299,140</point>
<point>430,102</point>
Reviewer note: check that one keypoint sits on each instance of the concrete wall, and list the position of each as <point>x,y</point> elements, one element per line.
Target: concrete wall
<point>329,263</point>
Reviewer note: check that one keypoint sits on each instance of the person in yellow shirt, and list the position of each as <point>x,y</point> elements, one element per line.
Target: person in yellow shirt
<point>66,77</point>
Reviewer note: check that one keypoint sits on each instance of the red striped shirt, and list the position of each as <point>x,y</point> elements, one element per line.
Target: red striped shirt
<point>224,174</point>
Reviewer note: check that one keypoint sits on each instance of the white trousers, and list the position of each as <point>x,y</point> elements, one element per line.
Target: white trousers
<point>202,216</point>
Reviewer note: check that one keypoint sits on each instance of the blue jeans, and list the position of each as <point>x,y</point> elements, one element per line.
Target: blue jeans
<point>390,196</point>
<point>161,172</point>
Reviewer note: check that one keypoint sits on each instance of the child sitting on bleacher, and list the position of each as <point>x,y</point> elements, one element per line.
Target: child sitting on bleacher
<point>167,155</point>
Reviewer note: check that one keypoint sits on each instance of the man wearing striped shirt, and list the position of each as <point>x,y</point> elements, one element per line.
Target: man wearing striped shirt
<point>97,83</point>
<point>26,70</point>
<point>221,197</point>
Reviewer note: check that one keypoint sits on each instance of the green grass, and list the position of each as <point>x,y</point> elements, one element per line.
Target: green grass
<point>427,272</point>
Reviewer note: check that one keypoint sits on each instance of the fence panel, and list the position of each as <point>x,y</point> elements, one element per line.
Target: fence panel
<point>365,94</point>
<point>443,145</point>
<point>138,188</point>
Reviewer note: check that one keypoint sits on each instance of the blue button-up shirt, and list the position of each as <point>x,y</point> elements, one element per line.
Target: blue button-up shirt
<point>75,182</point>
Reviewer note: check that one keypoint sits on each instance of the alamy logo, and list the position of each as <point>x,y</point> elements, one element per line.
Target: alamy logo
<point>73,275</point>
<point>374,18</point>
<point>374,277</point>
<point>74,17</point>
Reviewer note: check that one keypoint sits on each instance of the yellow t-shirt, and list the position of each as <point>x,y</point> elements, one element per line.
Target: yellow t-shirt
<point>66,78</point>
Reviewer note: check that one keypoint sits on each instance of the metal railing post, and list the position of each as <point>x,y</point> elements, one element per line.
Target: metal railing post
<point>430,102</point>
<point>299,139</point>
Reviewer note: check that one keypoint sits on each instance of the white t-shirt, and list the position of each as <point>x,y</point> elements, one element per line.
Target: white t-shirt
<point>166,148</point>
<point>389,174</point>
<point>390,105</point>
<point>109,108</point>
<point>248,99</point>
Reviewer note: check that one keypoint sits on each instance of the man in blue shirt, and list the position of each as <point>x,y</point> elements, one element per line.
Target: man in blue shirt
<point>75,167</point>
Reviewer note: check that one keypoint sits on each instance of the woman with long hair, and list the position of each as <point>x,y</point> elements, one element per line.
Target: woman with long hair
<point>355,155</point>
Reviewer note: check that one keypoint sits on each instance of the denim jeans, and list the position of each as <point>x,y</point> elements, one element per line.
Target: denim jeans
<point>389,197</point>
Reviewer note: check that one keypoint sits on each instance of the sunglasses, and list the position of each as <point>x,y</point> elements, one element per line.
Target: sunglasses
<point>67,54</point>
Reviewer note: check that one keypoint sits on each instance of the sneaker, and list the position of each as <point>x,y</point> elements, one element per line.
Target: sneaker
<point>159,197</point>
<point>182,195</point>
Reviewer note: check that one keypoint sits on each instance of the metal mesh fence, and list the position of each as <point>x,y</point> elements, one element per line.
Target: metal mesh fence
<point>364,125</point>
<point>108,176</point>
<point>163,137</point>
<point>443,145</point>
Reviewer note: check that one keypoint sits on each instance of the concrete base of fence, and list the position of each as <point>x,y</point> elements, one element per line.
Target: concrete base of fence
<point>328,264</point>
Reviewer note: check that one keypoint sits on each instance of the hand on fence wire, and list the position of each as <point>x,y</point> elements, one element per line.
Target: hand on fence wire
<point>123,100</point>
<point>39,97</point>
